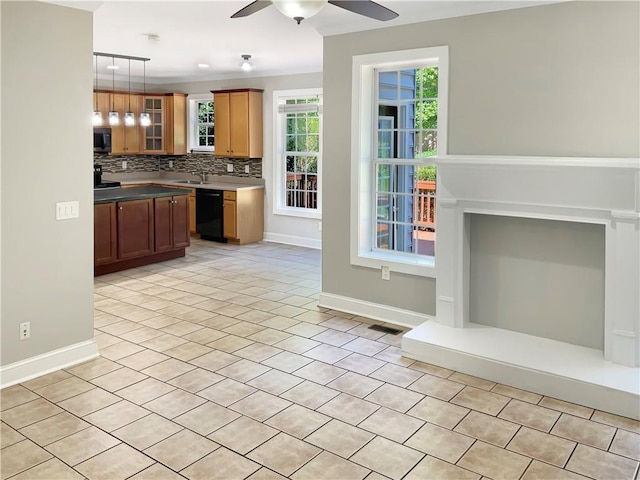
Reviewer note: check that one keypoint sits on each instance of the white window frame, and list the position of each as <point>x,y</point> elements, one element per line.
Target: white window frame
<point>363,138</point>
<point>192,102</point>
<point>279,165</point>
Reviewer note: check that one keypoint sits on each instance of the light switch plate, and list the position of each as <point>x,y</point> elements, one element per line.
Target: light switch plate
<point>229,167</point>
<point>67,210</point>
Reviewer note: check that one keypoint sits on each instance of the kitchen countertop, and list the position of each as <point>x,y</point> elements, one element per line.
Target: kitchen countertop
<point>212,184</point>
<point>109,195</point>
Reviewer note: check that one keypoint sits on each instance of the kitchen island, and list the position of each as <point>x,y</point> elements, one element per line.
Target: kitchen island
<point>139,225</point>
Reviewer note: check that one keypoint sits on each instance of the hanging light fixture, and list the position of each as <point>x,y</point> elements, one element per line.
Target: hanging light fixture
<point>97,114</point>
<point>246,65</point>
<point>129,118</point>
<point>299,9</point>
<point>114,119</point>
<point>145,119</point>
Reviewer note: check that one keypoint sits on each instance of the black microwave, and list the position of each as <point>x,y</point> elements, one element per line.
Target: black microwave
<point>102,140</point>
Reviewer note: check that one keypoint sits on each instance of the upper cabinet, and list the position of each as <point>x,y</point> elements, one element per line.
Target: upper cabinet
<point>167,133</point>
<point>238,127</point>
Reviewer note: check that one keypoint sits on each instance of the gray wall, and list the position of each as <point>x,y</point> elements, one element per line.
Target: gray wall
<point>518,274</point>
<point>47,265</point>
<point>556,80</point>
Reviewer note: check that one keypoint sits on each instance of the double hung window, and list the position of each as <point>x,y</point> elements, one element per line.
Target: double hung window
<point>398,129</point>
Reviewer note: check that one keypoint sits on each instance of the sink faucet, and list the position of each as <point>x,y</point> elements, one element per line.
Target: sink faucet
<point>203,176</point>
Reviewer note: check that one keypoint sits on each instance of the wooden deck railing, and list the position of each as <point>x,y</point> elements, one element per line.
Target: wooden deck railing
<point>425,203</point>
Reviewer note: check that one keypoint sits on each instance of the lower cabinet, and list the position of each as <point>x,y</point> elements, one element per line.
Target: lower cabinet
<point>138,232</point>
<point>135,228</point>
<point>243,215</point>
<point>105,234</point>
<point>171,221</point>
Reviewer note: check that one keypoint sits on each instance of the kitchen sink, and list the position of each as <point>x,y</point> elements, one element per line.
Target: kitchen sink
<point>192,182</point>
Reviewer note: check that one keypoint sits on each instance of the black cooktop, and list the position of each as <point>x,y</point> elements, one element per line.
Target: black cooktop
<point>107,185</point>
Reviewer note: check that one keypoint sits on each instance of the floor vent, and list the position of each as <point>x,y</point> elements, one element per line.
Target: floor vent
<point>382,328</point>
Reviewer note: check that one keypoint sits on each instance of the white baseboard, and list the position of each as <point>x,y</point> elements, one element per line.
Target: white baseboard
<point>376,311</point>
<point>293,240</point>
<point>33,367</point>
<point>569,372</point>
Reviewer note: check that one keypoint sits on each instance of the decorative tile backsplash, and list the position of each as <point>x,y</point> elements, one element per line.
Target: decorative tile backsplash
<point>191,162</point>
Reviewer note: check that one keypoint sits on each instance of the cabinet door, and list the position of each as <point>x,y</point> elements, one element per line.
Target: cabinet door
<point>176,124</point>
<point>105,238</point>
<point>239,123</point>
<point>229,219</point>
<point>192,213</point>
<point>135,228</point>
<point>163,213</point>
<point>222,128</point>
<point>116,103</point>
<point>153,135</point>
<point>180,221</point>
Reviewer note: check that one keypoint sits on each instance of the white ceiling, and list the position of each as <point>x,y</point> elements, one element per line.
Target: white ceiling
<point>192,32</point>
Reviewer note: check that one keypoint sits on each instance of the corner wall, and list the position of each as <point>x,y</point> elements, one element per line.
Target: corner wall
<point>47,265</point>
<point>554,80</point>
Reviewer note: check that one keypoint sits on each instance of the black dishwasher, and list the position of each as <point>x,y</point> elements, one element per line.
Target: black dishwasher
<point>209,214</point>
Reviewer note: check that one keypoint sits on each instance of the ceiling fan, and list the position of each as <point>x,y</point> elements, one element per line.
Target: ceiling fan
<point>301,9</point>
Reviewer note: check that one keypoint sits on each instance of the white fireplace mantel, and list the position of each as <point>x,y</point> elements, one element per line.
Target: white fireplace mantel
<point>587,190</point>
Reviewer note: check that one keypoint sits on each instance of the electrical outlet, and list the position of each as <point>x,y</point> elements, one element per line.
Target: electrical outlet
<point>124,164</point>
<point>25,330</point>
<point>170,163</point>
<point>320,226</point>
<point>386,273</point>
<point>229,167</point>
<point>246,169</point>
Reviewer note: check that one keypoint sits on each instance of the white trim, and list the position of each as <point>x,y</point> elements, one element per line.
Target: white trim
<point>470,160</point>
<point>278,165</point>
<point>33,367</point>
<point>362,140</point>
<point>376,311</point>
<point>293,240</point>
<point>568,372</point>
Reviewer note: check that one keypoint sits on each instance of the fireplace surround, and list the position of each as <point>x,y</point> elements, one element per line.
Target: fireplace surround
<point>604,191</point>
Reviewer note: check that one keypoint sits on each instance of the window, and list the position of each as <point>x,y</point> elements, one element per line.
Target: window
<point>298,121</point>
<point>398,128</point>
<point>201,123</point>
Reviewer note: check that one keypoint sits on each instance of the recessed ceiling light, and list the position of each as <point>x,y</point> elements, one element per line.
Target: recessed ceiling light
<point>203,65</point>
<point>112,67</point>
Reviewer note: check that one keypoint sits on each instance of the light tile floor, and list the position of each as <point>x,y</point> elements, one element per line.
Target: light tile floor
<point>221,365</point>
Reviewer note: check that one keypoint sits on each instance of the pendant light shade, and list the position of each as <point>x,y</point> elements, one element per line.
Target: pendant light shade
<point>129,117</point>
<point>97,114</point>
<point>145,119</point>
<point>246,65</point>
<point>114,118</point>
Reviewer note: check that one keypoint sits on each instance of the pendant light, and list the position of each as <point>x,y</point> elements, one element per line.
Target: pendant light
<point>129,118</point>
<point>145,119</point>
<point>114,119</point>
<point>97,114</point>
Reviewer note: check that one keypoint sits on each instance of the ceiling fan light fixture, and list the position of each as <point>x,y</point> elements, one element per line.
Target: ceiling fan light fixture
<point>299,9</point>
<point>246,65</point>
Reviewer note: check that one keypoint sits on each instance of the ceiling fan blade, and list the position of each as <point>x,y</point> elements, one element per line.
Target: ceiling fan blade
<point>367,8</point>
<point>253,7</point>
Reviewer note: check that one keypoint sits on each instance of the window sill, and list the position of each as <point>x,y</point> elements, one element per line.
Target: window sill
<point>420,267</point>
<point>298,212</point>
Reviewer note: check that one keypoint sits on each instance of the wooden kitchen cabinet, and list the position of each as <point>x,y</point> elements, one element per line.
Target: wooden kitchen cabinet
<point>135,228</point>
<point>243,215</point>
<point>105,234</point>
<point>238,128</point>
<point>171,223</point>
<point>176,124</point>
<point>126,139</point>
<point>153,135</point>
<point>229,215</point>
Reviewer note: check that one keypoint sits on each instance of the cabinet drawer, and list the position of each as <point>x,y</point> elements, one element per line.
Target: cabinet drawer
<point>229,196</point>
